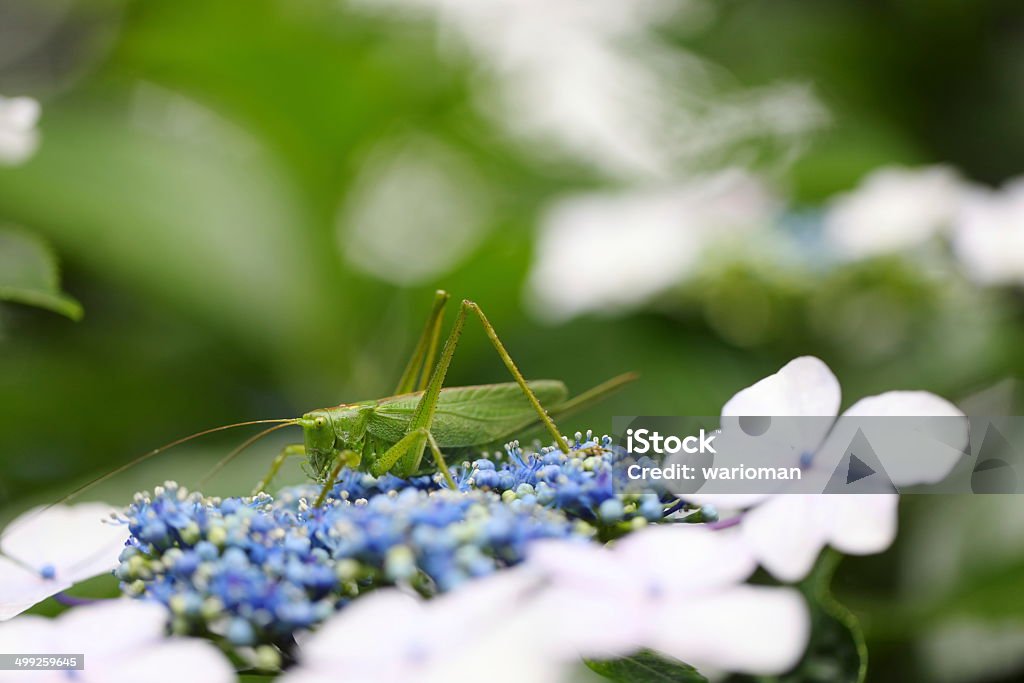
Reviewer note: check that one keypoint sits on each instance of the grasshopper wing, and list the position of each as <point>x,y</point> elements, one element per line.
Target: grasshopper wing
<point>468,416</point>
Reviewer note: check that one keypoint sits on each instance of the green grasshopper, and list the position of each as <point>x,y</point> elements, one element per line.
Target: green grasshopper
<point>392,434</point>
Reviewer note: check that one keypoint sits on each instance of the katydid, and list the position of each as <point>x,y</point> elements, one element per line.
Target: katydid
<point>391,434</point>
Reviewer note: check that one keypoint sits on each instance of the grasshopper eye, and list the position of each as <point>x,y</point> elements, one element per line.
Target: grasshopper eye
<point>320,422</point>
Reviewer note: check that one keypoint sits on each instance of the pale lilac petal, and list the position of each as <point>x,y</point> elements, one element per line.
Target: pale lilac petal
<point>122,640</point>
<point>475,604</point>
<point>28,635</point>
<point>583,565</point>
<point>305,674</point>
<point>80,540</point>
<point>861,524</point>
<point>724,502</point>
<point>109,627</point>
<point>746,629</point>
<point>786,534</point>
<point>479,661</point>
<point>922,448</point>
<point>687,558</point>
<point>352,639</point>
<point>580,623</point>
<point>21,588</point>
<point>173,660</point>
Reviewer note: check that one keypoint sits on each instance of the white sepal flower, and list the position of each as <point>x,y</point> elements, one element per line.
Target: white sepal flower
<point>390,636</point>
<point>893,209</point>
<point>661,588</point>
<point>47,551</point>
<point>616,250</point>
<point>18,136</point>
<point>787,531</point>
<point>989,235</point>
<point>122,641</point>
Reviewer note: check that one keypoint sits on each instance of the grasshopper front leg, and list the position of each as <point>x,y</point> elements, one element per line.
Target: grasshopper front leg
<point>341,459</point>
<point>290,451</point>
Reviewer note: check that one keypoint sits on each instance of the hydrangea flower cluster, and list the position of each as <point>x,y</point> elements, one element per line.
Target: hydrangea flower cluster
<point>588,483</point>
<point>256,570</point>
<point>585,483</point>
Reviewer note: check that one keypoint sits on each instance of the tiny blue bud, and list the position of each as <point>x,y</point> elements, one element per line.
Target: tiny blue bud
<point>611,511</point>
<point>651,509</point>
<point>240,632</point>
<point>207,551</point>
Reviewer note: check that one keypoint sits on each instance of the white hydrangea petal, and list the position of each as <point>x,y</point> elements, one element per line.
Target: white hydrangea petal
<point>21,588</point>
<point>476,661</point>
<point>353,637</point>
<point>170,661</point>
<point>725,502</point>
<point>578,622</point>
<point>18,135</point>
<point>583,565</point>
<point>108,627</point>
<point>687,558</point>
<point>20,113</point>
<point>475,604</point>
<point>786,534</point>
<point>745,629</point>
<point>918,450</point>
<point>861,524</point>
<point>989,234</point>
<point>80,540</point>
<point>803,386</point>
<point>29,634</point>
<point>306,674</point>
<point>893,209</point>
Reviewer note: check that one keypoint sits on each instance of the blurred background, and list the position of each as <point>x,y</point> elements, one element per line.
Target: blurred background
<point>253,201</point>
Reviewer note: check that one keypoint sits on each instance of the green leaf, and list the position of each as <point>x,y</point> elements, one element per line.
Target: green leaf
<point>646,667</point>
<point>29,274</point>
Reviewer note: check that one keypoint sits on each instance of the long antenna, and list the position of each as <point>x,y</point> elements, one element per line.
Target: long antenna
<point>146,456</point>
<point>223,462</point>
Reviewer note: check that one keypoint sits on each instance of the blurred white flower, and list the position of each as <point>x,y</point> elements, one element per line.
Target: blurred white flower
<point>122,640</point>
<point>47,551</point>
<point>391,636</point>
<point>18,135</point>
<point>989,234</point>
<point>893,209</point>
<point>787,531</point>
<point>678,590</point>
<point>590,79</point>
<point>613,251</point>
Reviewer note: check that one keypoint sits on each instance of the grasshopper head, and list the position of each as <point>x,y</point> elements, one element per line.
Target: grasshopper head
<point>319,437</point>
